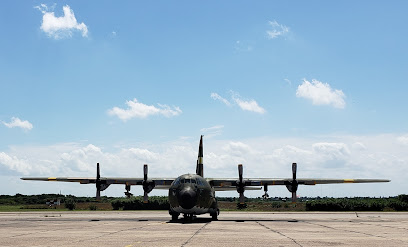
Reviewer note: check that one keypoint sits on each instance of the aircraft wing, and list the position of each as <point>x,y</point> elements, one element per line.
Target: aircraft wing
<point>224,184</point>
<point>160,183</point>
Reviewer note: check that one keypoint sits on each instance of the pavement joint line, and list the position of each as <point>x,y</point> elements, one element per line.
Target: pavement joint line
<point>351,231</point>
<point>111,233</point>
<point>393,227</point>
<point>184,244</point>
<point>275,231</point>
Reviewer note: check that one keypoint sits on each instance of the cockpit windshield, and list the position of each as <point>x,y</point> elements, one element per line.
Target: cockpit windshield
<point>186,181</point>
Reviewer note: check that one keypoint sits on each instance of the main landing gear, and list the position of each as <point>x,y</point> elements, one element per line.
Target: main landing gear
<point>174,216</point>
<point>214,214</point>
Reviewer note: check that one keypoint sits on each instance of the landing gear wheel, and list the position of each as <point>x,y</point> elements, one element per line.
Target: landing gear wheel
<point>214,215</point>
<point>174,216</point>
<point>188,217</point>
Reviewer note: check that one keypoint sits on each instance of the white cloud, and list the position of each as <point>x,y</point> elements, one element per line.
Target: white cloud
<point>16,122</point>
<point>15,164</point>
<point>216,96</point>
<point>249,105</point>
<point>334,153</point>
<point>61,27</point>
<point>359,146</point>
<point>239,149</point>
<point>403,139</point>
<point>261,157</point>
<point>212,131</point>
<point>142,154</point>
<point>139,110</point>
<point>246,105</point>
<point>276,30</point>
<point>321,94</point>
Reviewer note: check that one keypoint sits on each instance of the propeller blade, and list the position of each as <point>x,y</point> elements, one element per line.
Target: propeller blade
<point>294,182</point>
<point>145,172</point>
<point>98,183</point>
<point>240,172</point>
<point>146,188</point>
<point>98,194</point>
<point>241,198</point>
<point>145,197</point>
<point>294,168</point>
<point>241,185</point>
<point>294,197</point>
<point>98,172</point>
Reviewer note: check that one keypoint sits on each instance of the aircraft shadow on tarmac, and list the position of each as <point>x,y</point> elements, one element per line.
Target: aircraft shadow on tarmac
<point>209,220</point>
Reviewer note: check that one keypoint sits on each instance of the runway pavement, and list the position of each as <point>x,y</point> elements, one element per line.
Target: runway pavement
<point>154,228</point>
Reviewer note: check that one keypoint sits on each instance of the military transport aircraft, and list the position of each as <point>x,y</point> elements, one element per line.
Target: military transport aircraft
<point>192,194</point>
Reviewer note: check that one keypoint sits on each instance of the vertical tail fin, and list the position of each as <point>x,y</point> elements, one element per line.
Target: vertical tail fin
<point>200,166</point>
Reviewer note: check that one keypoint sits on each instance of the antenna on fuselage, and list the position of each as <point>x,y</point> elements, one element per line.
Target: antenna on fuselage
<point>200,166</point>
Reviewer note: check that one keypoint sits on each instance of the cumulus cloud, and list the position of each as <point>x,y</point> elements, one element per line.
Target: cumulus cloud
<point>359,146</point>
<point>13,163</point>
<point>63,26</point>
<point>261,157</point>
<point>332,152</point>
<point>403,139</point>
<point>16,122</point>
<point>276,30</point>
<point>142,154</point>
<point>321,94</point>
<point>238,148</point>
<point>82,159</point>
<point>246,105</point>
<point>139,110</point>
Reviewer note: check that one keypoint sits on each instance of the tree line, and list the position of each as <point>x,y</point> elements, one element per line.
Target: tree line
<point>398,203</point>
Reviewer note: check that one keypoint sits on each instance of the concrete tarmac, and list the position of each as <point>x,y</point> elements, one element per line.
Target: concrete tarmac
<point>154,228</point>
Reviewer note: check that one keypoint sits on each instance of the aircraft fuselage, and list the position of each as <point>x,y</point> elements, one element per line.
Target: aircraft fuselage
<point>191,194</point>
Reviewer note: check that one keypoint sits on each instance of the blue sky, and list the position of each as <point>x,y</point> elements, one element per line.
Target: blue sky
<point>267,83</point>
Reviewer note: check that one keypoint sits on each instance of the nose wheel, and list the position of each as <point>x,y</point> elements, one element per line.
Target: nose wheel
<point>188,217</point>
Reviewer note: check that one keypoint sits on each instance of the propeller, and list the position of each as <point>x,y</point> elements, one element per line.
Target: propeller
<point>292,186</point>
<point>98,183</point>
<point>241,185</point>
<point>148,185</point>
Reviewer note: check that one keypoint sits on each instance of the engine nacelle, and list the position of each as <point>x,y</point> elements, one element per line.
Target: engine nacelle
<point>104,187</point>
<point>148,186</point>
<point>292,187</point>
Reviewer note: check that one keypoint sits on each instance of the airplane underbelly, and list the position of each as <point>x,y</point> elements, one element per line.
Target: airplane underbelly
<point>195,210</point>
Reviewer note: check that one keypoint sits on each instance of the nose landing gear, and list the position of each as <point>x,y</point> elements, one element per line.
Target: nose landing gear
<point>189,217</point>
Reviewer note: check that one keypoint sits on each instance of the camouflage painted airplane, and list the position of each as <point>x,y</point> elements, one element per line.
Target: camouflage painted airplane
<point>192,194</point>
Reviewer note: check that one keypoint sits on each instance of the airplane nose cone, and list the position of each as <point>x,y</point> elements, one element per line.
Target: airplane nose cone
<point>187,198</point>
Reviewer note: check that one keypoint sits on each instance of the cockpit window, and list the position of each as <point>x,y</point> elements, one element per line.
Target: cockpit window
<point>177,181</point>
<point>187,181</point>
<point>199,182</point>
